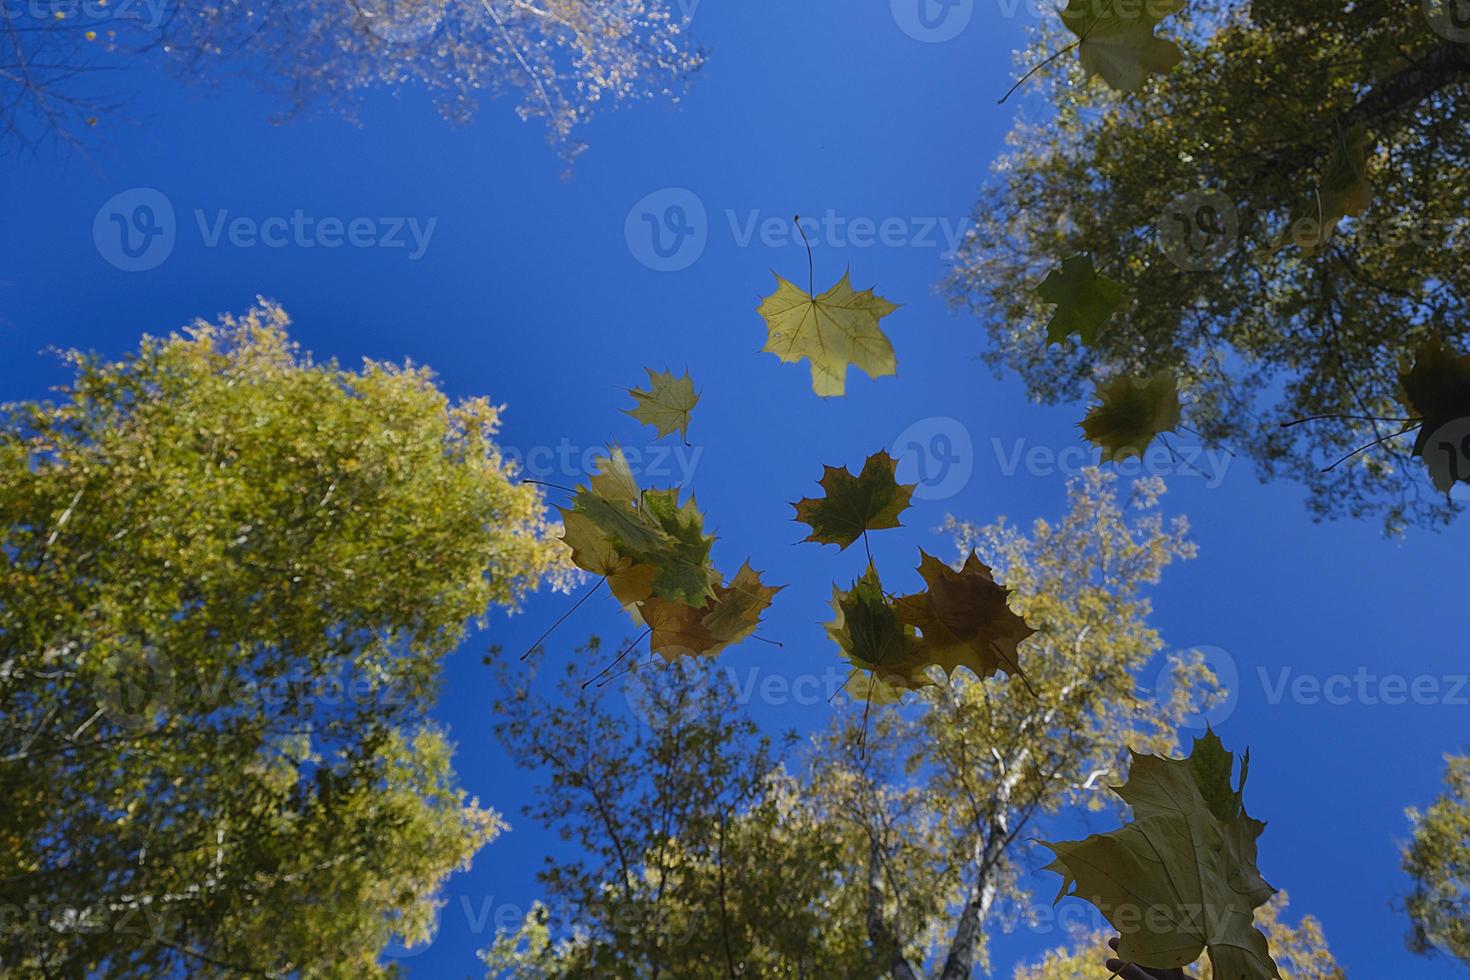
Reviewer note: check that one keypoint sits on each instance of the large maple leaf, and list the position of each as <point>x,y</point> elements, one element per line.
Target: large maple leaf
<point>1130,412</point>
<point>831,331</point>
<point>964,618</point>
<point>870,501</point>
<point>1116,39</point>
<point>1181,878</point>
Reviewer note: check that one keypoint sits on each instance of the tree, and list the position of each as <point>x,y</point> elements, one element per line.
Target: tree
<point>1438,859</point>
<point>891,860</point>
<point>1301,951</point>
<point>563,58</point>
<point>1285,213</point>
<point>228,576</point>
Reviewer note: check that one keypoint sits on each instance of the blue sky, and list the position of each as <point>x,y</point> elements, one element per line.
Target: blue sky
<point>538,291</point>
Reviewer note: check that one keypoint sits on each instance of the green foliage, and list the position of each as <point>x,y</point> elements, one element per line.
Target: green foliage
<point>1181,877</point>
<point>830,331</point>
<point>1438,860</point>
<point>229,574</point>
<point>1289,117</point>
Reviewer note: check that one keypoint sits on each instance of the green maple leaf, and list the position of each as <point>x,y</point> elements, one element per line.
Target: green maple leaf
<point>1085,300</point>
<point>1130,412</point>
<point>964,618</point>
<point>1437,390</point>
<point>1116,39</point>
<point>870,501</point>
<point>1181,878</point>
<point>831,331</point>
<point>645,542</point>
<point>867,628</point>
<point>666,404</point>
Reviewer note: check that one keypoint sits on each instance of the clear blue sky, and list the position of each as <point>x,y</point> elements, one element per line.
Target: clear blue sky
<point>530,292</point>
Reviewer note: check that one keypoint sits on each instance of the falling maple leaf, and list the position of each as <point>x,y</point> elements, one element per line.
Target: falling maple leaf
<point>868,630</point>
<point>833,330</point>
<point>870,501</point>
<point>732,614</point>
<point>1343,192</point>
<point>666,404</point>
<point>1437,390</point>
<point>1085,300</point>
<point>1116,39</point>
<point>1181,878</point>
<point>964,618</point>
<point>1130,412</point>
<point>639,539</point>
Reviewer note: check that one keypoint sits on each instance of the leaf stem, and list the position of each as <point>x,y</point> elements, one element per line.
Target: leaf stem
<point>811,265</point>
<point>585,596</point>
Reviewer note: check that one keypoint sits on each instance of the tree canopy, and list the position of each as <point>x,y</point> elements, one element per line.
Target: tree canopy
<point>1283,219</point>
<point>712,853</point>
<point>561,59</point>
<point>229,574</point>
<point>1437,858</point>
